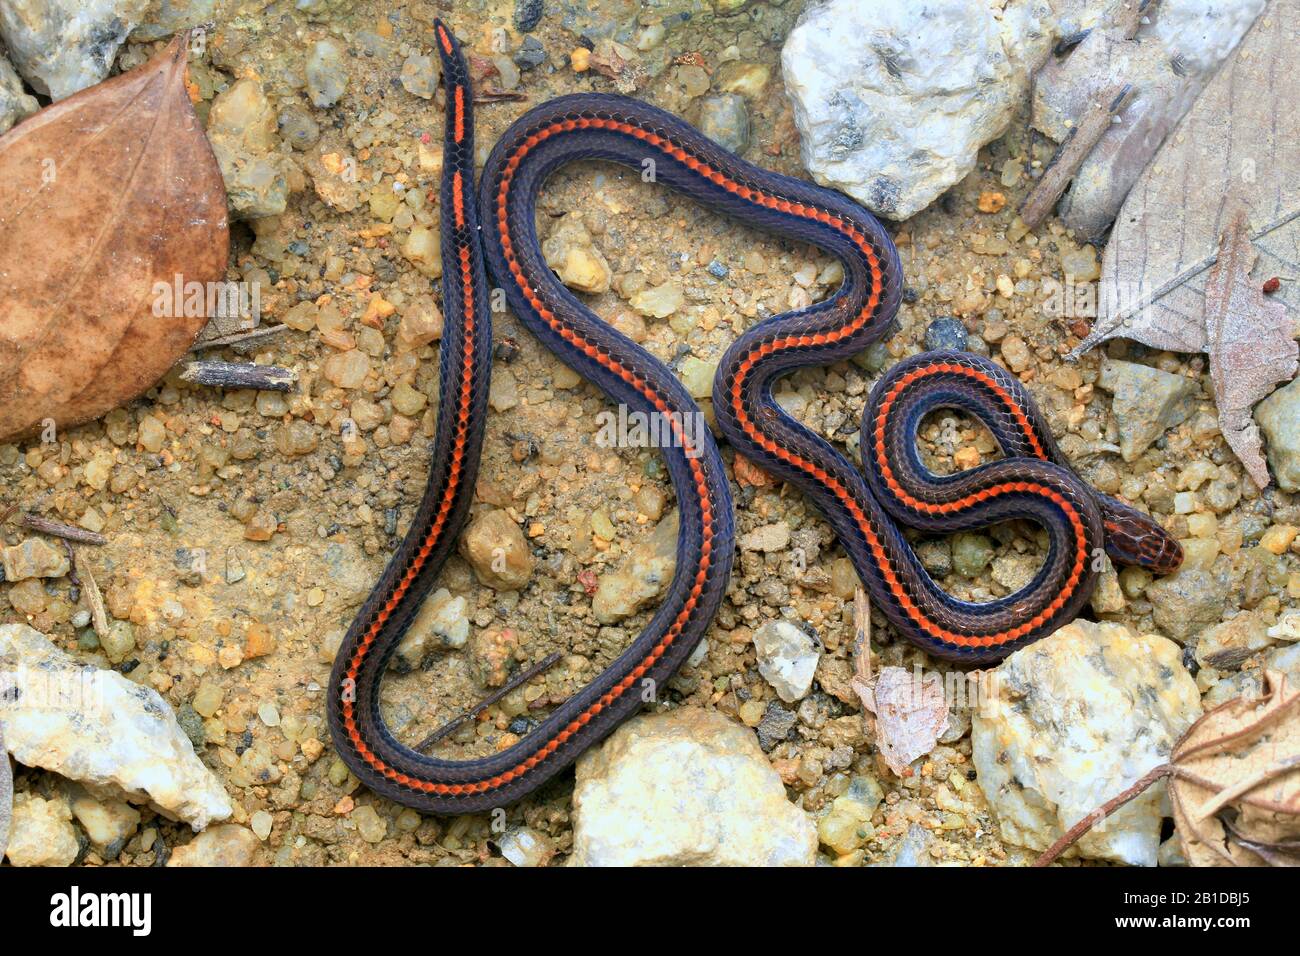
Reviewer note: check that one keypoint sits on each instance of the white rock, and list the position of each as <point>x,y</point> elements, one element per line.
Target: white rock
<point>1074,719</point>
<point>524,846</point>
<point>685,788</point>
<point>116,738</point>
<point>62,46</point>
<point>787,658</point>
<point>1203,32</point>
<point>893,99</point>
<point>43,834</point>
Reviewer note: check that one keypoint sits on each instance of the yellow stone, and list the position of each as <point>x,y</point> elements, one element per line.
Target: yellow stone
<point>1278,538</point>
<point>258,641</point>
<point>423,249</point>
<point>377,310</point>
<point>582,270</point>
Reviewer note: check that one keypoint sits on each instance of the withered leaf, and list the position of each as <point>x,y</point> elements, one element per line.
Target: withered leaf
<point>1235,146</point>
<point>1233,149</point>
<point>911,711</point>
<point>102,197</point>
<point>1249,343</point>
<point>1235,787</point>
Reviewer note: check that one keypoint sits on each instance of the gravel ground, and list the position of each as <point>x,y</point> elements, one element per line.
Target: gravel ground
<point>245,528</point>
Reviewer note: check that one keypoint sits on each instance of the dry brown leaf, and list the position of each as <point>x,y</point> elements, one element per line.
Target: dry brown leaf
<point>1236,784</point>
<point>1249,343</point>
<point>1235,148</point>
<point>911,711</point>
<point>102,196</point>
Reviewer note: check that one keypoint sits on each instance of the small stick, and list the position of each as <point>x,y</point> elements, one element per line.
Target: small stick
<point>861,637</point>
<point>240,341</point>
<point>487,702</point>
<point>1072,835</point>
<point>73,576</point>
<point>1072,153</point>
<point>60,530</point>
<point>90,591</point>
<point>240,375</point>
<point>498,96</point>
<point>863,683</point>
<point>1132,22</point>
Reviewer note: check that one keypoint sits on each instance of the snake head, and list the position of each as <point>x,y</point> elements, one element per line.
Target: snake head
<point>1134,538</point>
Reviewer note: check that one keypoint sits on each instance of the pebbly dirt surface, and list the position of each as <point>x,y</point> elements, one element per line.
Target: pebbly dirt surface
<point>244,529</point>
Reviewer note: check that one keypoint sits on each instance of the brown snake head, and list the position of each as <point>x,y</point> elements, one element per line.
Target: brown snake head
<point>1139,541</point>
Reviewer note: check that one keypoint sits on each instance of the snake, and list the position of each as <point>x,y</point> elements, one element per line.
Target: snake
<point>491,230</point>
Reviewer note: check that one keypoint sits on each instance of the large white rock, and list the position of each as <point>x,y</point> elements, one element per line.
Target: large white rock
<point>1073,720</point>
<point>894,98</point>
<point>685,788</point>
<point>116,738</point>
<point>62,46</point>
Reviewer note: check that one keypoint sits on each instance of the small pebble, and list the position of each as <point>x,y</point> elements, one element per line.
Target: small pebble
<point>945,332</point>
<point>419,75</point>
<point>531,54</point>
<point>326,75</point>
<point>370,824</point>
<point>300,131</point>
<point>724,118</point>
<point>261,822</point>
<point>524,846</point>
